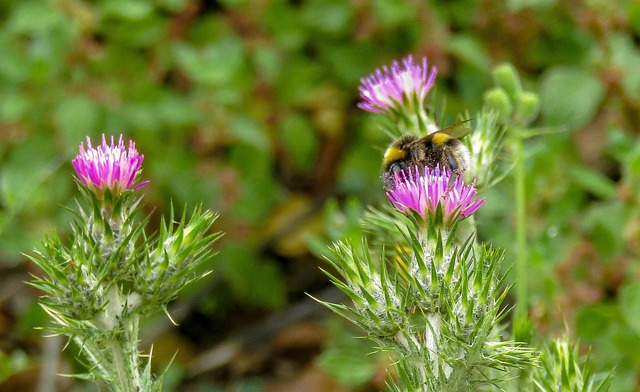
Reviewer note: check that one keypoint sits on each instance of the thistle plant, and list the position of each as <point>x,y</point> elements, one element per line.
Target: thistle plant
<point>109,274</point>
<point>423,288</point>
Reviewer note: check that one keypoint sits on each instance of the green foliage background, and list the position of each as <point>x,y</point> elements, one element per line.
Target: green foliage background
<point>249,108</point>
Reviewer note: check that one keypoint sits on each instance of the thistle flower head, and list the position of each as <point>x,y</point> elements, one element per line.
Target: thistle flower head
<point>109,166</point>
<point>422,189</point>
<point>386,88</point>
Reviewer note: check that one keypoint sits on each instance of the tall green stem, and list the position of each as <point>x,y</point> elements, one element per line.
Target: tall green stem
<point>522,301</point>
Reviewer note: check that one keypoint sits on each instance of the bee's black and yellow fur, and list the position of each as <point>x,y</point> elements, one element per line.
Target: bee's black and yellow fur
<point>441,147</point>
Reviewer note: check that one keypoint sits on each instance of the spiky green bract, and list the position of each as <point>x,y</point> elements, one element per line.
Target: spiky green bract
<point>98,284</point>
<point>170,261</point>
<point>434,303</point>
<point>563,369</point>
<point>486,144</point>
<point>101,252</point>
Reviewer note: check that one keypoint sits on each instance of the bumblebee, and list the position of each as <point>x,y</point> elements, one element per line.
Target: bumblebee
<point>442,147</point>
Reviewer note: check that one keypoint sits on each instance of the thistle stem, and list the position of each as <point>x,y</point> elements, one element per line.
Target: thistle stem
<point>123,347</point>
<point>125,379</point>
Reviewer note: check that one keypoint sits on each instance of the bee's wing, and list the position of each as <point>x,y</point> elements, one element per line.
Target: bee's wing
<point>457,130</point>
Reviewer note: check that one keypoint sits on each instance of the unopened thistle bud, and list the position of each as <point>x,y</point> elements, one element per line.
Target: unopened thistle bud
<point>528,107</point>
<point>498,100</point>
<point>506,77</point>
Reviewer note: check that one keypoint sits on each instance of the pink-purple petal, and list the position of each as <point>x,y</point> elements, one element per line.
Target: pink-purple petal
<point>386,88</point>
<point>108,165</point>
<point>422,189</point>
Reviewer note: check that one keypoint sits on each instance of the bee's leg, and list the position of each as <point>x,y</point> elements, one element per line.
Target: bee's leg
<point>451,160</point>
<point>389,177</point>
<point>452,180</point>
<point>453,165</point>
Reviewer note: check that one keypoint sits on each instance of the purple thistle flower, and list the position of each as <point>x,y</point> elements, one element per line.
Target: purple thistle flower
<point>385,89</point>
<point>112,167</point>
<point>422,190</point>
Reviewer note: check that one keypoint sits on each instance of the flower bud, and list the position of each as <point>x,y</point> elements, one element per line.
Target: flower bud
<point>528,107</point>
<point>506,77</point>
<point>497,100</point>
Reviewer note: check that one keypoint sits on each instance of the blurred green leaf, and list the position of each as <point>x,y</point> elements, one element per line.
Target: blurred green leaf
<point>248,384</point>
<point>603,222</point>
<point>392,13</point>
<point>15,105</point>
<point>300,140</point>
<point>14,64</point>
<point>462,12</point>
<point>629,303</point>
<point>34,17</point>
<point>627,338</point>
<point>566,206</point>
<point>172,5</point>
<point>13,362</point>
<point>284,23</point>
<point>75,117</point>
<point>258,193</point>
<point>349,61</point>
<point>626,58</point>
<point>173,167</point>
<point>360,170</point>
<point>333,17</point>
<point>217,63</point>
<point>620,144</point>
<point>517,5</point>
<point>249,131</point>
<point>32,318</point>
<point>28,166</point>
<point>570,96</point>
<point>127,9</point>
<point>347,359</point>
<point>632,169</point>
<point>470,50</point>
<point>235,3</point>
<point>139,32</point>
<point>595,321</point>
<point>175,111</point>
<point>633,13</point>
<point>267,62</point>
<point>137,116</point>
<point>594,182</point>
<point>559,42</point>
<point>298,81</point>
<point>254,279</point>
